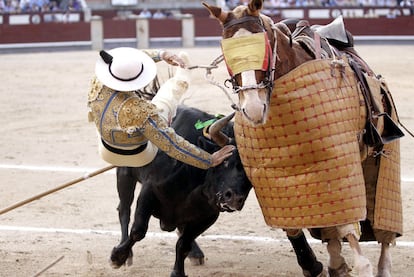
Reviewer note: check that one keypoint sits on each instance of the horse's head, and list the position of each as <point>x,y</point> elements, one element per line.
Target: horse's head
<point>247,45</point>
<point>250,41</point>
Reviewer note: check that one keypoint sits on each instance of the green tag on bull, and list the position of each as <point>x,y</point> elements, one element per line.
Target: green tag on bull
<point>200,125</point>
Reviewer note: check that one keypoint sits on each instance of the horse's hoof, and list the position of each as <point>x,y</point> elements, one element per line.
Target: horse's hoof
<point>342,271</point>
<point>364,267</point>
<point>384,273</point>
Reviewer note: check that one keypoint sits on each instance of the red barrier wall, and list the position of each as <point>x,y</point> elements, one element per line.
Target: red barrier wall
<point>204,26</point>
<point>45,32</point>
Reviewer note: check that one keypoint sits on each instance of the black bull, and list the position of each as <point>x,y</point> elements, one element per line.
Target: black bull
<point>181,196</point>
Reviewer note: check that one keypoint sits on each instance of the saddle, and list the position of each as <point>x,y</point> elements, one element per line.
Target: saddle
<point>335,33</point>
<point>334,41</point>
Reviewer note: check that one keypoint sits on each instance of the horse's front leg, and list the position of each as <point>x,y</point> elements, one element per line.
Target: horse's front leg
<point>305,256</point>
<point>362,264</point>
<point>384,262</point>
<point>337,266</point>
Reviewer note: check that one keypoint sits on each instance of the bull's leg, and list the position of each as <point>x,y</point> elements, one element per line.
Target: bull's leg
<point>185,241</point>
<point>195,255</point>
<point>121,253</point>
<point>304,254</point>
<point>145,204</point>
<point>384,262</point>
<point>337,265</point>
<point>126,184</point>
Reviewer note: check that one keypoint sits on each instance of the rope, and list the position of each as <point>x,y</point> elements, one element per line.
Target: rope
<point>211,80</point>
<point>40,195</point>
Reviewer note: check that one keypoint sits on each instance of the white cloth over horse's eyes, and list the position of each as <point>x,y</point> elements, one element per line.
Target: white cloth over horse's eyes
<point>252,52</point>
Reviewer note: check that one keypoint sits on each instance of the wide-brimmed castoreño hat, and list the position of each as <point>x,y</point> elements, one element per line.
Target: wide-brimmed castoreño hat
<point>125,69</point>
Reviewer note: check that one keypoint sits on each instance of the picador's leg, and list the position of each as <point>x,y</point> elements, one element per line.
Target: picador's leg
<point>305,256</point>
<point>170,93</point>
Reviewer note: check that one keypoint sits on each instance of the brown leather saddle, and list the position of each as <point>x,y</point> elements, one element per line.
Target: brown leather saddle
<point>333,39</point>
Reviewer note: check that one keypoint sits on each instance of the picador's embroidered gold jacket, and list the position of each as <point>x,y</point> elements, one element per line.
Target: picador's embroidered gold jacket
<point>126,122</point>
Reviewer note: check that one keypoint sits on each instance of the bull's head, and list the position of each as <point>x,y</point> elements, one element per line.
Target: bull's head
<point>228,182</point>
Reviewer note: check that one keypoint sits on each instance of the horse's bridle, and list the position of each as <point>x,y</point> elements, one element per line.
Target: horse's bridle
<point>267,82</point>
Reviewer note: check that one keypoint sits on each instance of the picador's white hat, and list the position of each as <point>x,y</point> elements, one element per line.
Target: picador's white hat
<point>125,69</point>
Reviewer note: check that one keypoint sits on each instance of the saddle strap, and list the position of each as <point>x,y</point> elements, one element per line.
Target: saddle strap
<point>371,136</point>
<point>366,92</point>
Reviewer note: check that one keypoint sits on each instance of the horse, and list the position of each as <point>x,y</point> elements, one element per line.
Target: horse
<point>317,135</point>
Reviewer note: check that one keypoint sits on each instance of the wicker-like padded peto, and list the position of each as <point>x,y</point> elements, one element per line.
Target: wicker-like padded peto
<point>305,162</point>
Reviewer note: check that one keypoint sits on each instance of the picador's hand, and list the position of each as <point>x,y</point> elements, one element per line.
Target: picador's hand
<point>172,59</point>
<point>222,154</point>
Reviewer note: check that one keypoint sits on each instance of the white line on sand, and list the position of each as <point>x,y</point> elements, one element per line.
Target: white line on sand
<point>149,234</point>
<point>164,235</point>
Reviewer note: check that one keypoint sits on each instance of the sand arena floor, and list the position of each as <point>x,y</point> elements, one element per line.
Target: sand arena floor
<point>47,141</point>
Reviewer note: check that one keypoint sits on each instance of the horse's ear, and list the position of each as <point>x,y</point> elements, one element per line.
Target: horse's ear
<point>255,6</point>
<point>216,12</point>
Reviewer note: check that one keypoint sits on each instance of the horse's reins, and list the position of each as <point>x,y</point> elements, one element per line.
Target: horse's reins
<point>209,77</point>
<point>268,83</point>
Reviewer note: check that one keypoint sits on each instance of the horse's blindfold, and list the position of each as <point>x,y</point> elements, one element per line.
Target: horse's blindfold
<point>252,52</point>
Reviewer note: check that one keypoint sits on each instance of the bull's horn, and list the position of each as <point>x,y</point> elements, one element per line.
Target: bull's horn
<point>215,130</point>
